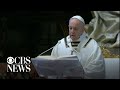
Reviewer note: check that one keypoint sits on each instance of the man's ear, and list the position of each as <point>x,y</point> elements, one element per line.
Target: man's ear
<point>86,27</point>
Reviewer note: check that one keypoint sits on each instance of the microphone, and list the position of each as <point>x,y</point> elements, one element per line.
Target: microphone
<point>46,51</point>
<point>49,49</point>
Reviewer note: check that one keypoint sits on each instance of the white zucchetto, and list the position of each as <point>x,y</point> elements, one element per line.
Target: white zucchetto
<point>79,18</point>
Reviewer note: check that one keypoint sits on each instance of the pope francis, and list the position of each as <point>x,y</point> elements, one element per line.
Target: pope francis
<point>86,49</point>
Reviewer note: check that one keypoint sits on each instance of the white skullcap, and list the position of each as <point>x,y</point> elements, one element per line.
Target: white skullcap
<point>79,18</point>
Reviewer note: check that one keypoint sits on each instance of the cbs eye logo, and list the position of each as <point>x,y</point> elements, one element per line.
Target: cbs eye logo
<point>10,60</point>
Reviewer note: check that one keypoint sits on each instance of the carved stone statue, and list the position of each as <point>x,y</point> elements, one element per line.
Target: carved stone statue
<point>105,28</point>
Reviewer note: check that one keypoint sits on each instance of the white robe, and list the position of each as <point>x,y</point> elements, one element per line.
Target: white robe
<point>90,56</point>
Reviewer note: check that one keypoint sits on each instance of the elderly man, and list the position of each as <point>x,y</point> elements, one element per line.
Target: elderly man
<point>86,49</point>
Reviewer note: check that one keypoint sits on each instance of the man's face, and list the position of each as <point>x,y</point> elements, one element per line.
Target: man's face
<point>76,28</point>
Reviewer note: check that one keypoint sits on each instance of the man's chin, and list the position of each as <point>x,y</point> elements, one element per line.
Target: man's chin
<point>73,39</point>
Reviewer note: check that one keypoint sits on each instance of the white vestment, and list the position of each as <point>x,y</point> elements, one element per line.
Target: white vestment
<point>89,55</point>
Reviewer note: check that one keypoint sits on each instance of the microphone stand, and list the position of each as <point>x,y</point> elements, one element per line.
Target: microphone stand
<point>46,51</point>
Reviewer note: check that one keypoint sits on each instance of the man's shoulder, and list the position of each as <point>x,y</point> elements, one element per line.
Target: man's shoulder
<point>63,39</point>
<point>91,41</point>
<point>60,41</point>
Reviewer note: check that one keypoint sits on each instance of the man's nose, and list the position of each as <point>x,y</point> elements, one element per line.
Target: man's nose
<point>72,31</point>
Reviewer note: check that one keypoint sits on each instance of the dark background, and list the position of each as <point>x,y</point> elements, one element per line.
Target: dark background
<point>29,33</point>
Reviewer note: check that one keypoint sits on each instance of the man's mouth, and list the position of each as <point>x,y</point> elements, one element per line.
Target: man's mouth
<point>72,35</point>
